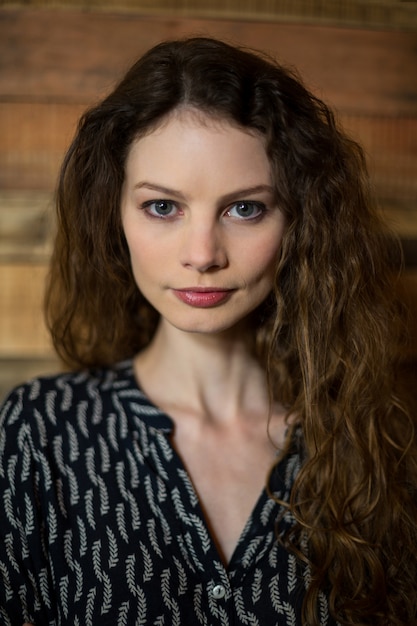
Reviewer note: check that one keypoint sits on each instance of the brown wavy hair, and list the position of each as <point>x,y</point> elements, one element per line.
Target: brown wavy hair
<point>328,334</point>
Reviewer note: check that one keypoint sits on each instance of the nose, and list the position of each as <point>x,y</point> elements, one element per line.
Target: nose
<point>203,247</point>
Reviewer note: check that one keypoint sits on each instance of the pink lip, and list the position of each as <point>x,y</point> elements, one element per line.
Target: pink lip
<point>203,297</point>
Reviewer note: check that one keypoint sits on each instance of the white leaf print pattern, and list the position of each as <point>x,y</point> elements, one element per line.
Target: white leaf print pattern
<point>113,550</point>
<point>187,484</point>
<point>202,532</point>
<point>74,449</point>
<point>324,609</point>
<point>8,507</point>
<point>107,594</point>
<point>105,464</point>
<point>91,596</point>
<point>266,511</point>
<point>182,578</point>
<point>111,432</point>
<point>79,581</point>
<point>148,567</point>
<point>68,549</point>
<point>104,496</point>
<point>66,397</point>
<point>82,536</point>
<point>130,574</point>
<point>59,454</point>
<point>91,465</point>
<point>89,508</point>
<point>30,516</point>
<point>257,586</point>
<point>44,587</point>
<point>158,463</point>
<point>166,592</point>
<point>82,419</point>
<point>63,594</point>
<point>245,616</point>
<point>10,552</point>
<point>131,529</point>
<point>251,550</point>
<point>46,470</point>
<point>96,551</point>
<point>179,506</point>
<point>201,616</point>
<point>121,521</point>
<point>6,581</point>
<point>166,448</point>
<point>73,484</point>
<point>134,511</point>
<point>123,616</point>
<point>152,537</point>
<point>133,470</point>
<point>50,406</point>
<point>292,573</point>
<point>52,524</point>
<point>40,423</point>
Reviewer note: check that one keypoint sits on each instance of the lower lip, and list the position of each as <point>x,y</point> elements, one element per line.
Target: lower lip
<point>203,299</point>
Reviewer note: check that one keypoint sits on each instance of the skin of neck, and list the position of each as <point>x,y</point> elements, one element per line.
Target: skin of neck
<point>215,377</point>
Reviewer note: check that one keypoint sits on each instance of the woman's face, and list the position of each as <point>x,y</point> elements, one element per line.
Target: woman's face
<point>201,221</point>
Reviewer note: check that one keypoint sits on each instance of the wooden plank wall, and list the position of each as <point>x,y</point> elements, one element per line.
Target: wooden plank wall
<point>54,62</point>
<point>372,14</point>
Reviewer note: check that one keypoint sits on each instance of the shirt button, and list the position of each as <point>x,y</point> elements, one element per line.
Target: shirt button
<point>218,592</point>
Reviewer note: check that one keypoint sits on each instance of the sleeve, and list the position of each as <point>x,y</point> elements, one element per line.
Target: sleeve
<point>25,577</point>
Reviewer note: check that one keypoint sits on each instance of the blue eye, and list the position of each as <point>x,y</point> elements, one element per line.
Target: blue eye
<point>160,208</point>
<point>246,210</point>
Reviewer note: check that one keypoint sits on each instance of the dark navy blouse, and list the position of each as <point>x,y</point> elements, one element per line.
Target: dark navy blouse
<point>100,523</point>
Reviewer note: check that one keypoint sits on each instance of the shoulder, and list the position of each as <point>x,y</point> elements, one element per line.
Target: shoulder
<point>48,424</point>
<point>54,401</point>
<point>62,390</point>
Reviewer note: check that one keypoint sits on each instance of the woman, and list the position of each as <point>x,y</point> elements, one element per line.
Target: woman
<point>230,448</point>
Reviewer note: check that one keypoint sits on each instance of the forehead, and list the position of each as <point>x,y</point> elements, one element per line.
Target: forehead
<point>184,118</point>
<point>193,140</point>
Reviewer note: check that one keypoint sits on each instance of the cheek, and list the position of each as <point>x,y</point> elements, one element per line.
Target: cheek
<point>142,250</point>
<point>262,259</point>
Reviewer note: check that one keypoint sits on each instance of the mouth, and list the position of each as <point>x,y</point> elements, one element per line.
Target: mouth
<point>203,297</point>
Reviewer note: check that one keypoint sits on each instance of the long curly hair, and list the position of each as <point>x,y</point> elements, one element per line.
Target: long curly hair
<point>328,335</point>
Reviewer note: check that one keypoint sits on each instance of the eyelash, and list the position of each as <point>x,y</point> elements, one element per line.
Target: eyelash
<point>260,206</point>
<point>146,206</point>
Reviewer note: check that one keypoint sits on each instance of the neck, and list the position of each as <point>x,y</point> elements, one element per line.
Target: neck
<point>208,375</point>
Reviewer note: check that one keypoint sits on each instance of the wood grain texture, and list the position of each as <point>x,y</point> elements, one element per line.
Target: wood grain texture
<point>22,329</point>
<point>26,226</point>
<point>389,14</point>
<point>50,55</point>
<point>390,144</point>
<point>33,141</point>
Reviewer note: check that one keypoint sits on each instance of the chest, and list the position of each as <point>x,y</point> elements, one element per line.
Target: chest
<point>229,471</point>
<point>123,537</point>
<point>136,548</point>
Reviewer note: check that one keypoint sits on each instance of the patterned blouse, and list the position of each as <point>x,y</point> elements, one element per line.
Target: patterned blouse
<point>100,523</point>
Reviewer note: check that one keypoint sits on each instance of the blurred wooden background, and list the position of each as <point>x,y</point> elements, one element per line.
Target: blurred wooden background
<point>56,58</point>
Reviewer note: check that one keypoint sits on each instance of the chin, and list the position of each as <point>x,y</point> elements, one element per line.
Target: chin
<point>211,326</point>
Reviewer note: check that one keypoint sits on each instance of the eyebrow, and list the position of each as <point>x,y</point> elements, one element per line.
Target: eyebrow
<point>239,193</point>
